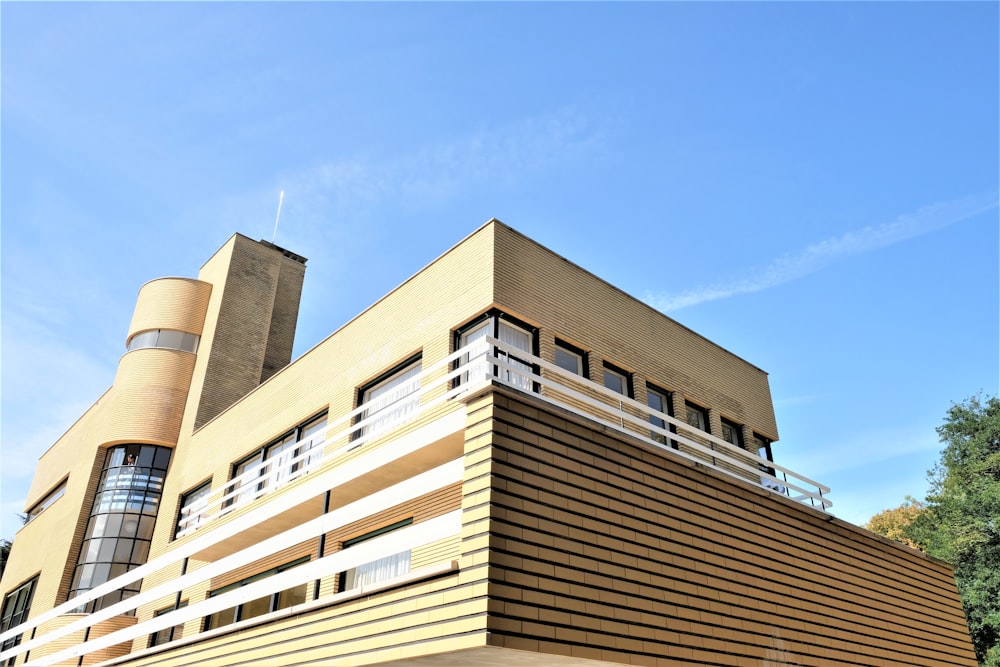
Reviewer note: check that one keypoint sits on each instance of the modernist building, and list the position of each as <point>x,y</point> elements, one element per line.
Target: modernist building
<point>504,461</point>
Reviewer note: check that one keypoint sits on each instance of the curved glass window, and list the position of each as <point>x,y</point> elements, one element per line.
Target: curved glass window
<point>165,338</point>
<point>121,522</point>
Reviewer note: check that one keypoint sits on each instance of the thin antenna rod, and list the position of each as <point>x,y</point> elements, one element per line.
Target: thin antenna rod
<point>281,198</point>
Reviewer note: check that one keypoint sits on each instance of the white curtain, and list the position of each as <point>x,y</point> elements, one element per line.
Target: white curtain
<point>378,570</point>
<point>392,402</point>
<point>520,339</point>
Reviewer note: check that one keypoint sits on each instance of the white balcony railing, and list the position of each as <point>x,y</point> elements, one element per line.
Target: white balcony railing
<point>489,359</point>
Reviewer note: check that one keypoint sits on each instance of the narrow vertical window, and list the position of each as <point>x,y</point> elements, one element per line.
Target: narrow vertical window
<point>192,501</point>
<point>659,400</point>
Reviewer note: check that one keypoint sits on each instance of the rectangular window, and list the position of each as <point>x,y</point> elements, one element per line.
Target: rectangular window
<point>167,634</point>
<point>617,380</point>
<point>659,400</point>
<point>513,335</point>
<point>192,499</point>
<point>16,606</point>
<point>43,504</point>
<point>381,569</point>
<point>571,358</point>
<point>390,400</point>
<point>273,462</point>
<point>263,605</point>
<point>732,433</point>
<point>697,416</point>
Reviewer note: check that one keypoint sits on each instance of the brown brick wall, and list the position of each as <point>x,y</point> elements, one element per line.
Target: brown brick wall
<point>606,550</point>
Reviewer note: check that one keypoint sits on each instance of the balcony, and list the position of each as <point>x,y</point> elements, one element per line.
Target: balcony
<point>463,374</point>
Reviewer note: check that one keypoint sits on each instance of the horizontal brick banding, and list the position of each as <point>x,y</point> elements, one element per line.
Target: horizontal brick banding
<point>602,544</point>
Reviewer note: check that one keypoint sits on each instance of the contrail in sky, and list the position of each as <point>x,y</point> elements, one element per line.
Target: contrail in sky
<point>819,255</point>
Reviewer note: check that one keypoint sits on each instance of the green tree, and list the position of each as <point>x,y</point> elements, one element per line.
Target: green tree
<point>4,555</point>
<point>961,522</point>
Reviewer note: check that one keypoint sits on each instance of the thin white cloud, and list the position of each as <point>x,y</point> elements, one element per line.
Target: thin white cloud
<point>818,256</point>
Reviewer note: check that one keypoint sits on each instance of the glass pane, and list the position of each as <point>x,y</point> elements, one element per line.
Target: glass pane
<point>615,381</point>
<point>570,361</point>
<point>256,607</point>
<point>221,618</point>
<point>292,596</point>
<point>393,401</point>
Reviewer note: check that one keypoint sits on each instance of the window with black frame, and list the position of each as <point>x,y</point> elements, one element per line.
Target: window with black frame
<point>660,400</point>
<point>617,380</point>
<point>170,634</point>
<point>571,358</point>
<point>381,569</point>
<point>732,433</point>
<point>273,463</point>
<point>515,336</point>
<point>389,400</point>
<point>16,606</point>
<point>192,501</point>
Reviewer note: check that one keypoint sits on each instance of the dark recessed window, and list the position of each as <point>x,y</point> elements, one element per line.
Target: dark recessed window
<point>167,634</point>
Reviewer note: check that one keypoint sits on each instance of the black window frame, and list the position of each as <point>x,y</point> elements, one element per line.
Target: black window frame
<point>668,397</point>
<point>184,499</point>
<point>359,395</point>
<point>172,632</point>
<point>497,315</point>
<point>737,429</point>
<point>364,537</point>
<point>263,450</point>
<point>689,407</point>
<point>606,367</point>
<point>561,345</point>
<point>21,602</point>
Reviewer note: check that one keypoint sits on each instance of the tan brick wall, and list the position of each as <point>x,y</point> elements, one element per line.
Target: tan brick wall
<point>251,318</point>
<point>171,303</point>
<point>538,285</point>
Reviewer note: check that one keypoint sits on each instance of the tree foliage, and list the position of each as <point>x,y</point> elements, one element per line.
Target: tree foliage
<point>893,523</point>
<point>961,520</point>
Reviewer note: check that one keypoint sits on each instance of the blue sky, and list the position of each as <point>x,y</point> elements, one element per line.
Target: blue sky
<point>811,185</point>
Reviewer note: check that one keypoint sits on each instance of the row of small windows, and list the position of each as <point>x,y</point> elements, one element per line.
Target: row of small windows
<point>394,395</point>
<point>574,360</point>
